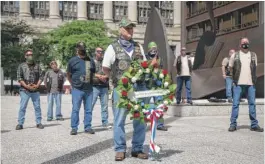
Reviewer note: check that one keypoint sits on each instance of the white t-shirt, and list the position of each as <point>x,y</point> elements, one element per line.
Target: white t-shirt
<point>185,71</point>
<point>245,77</point>
<point>109,56</point>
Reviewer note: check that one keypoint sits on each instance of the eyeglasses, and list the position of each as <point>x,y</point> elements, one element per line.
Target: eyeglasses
<point>99,51</point>
<point>29,54</point>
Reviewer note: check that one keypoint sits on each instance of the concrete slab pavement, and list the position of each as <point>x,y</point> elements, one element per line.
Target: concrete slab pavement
<point>190,140</point>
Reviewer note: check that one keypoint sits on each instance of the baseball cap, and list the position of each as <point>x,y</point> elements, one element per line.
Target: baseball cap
<point>125,22</point>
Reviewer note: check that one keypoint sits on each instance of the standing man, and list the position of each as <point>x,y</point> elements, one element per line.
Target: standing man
<point>154,56</point>
<point>243,64</point>
<point>183,66</point>
<point>227,76</point>
<point>54,80</point>
<point>80,72</point>
<point>29,75</point>
<point>117,60</point>
<point>100,88</point>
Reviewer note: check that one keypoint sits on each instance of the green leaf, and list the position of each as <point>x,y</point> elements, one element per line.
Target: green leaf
<point>172,87</point>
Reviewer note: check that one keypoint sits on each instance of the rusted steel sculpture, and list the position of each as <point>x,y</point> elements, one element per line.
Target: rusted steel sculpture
<point>207,78</point>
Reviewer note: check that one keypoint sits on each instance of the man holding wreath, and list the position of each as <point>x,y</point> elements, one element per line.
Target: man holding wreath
<point>117,60</point>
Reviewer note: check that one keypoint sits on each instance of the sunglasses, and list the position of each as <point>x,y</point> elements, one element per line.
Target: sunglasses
<point>29,54</point>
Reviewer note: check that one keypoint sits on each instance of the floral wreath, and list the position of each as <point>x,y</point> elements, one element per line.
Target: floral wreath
<point>154,79</point>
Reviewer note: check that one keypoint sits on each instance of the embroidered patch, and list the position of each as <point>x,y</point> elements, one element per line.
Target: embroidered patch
<point>123,65</point>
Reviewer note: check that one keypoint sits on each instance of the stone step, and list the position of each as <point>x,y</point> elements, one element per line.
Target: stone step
<point>205,108</point>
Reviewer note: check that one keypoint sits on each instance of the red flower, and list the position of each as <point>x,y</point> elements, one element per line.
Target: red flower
<point>171,97</point>
<point>165,108</point>
<point>136,114</point>
<point>155,65</point>
<point>124,81</point>
<point>124,93</point>
<point>129,106</point>
<point>146,119</point>
<point>144,64</point>
<point>164,72</point>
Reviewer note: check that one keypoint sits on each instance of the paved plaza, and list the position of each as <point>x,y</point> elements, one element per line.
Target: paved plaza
<point>189,140</point>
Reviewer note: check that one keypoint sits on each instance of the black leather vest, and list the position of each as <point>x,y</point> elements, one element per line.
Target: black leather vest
<point>60,77</point>
<point>96,81</point>
<point>179,63</point>
<point>237,68</point>
<point>123,61</point>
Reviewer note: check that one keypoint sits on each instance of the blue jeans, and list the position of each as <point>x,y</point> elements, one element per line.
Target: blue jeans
<point>57,97</point>
<point>187,81</point>
<point>77,97</point>
<point>251,93</point>
<point>119,130</point>
<point>25,96</point>
<point>228,86</point>
<point>160,122</point>
<point>102,93</point>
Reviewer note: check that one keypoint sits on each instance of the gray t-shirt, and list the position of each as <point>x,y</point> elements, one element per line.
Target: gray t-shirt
<point>54,80</point>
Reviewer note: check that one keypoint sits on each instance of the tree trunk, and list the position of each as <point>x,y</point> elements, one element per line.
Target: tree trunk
<point>11,86</point>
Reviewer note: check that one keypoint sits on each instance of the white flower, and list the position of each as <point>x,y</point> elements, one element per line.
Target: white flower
<point>156,70</point>
<point>140,71</point>
<point>134,79</point>
<point>136,107</point>
<point>147,70</point>
<point>144,110</point>
<point>161,75</point>
<point>166,102</point>
<point>166,84</point>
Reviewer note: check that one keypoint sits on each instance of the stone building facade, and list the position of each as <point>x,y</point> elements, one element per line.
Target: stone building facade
<point>47,15</point>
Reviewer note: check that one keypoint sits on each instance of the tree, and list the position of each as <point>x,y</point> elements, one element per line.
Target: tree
<point>63,40</point>
<point>14,41</point>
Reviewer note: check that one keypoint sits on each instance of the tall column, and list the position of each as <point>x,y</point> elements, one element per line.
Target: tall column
<point>54,10</point>
<point>177,14</point>
<point>24,9</point>
<point>107,11</point>
<point>183,24</point>
<point>2,82</point>
<point>132,11</point>
<point>81,10</point>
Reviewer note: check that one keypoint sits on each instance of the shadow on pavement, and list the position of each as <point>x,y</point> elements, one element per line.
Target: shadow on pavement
<point>45,125</point>
<point>83,153</point>
<point>5,131</point>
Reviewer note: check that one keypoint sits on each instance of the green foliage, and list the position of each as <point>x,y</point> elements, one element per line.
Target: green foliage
<point>65,38</point>
<point>14,34</point>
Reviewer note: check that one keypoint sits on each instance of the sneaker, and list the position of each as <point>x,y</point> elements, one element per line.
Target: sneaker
<point>40,126</point>
<point>178,102</point>
<point>90,131</point>
<point>230,100</point>
<point>19,127</point>
<point>257,129</point>
<point>73,132</point>
<point>60,119</point>
<point>162,128</point>
<point>49,119</point>
<point>232,129</point>
<point>107,126</point>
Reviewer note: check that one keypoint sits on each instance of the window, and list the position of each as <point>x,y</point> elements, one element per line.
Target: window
<point>95,9</point>
<point>9,8</point>
<point>40,9</point>
<point>166,10</point>
<point>68,10</point>
<point>144,10</point>
<point>120,10</point>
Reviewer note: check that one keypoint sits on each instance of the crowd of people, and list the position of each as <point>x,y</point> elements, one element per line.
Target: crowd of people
<point>91,78</point>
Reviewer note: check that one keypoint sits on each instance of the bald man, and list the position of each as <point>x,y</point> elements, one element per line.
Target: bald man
<point>227,76</point>
<point>243,64</point>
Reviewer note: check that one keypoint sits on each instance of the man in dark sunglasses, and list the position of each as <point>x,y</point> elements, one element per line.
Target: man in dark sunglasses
<point>100,88</point>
